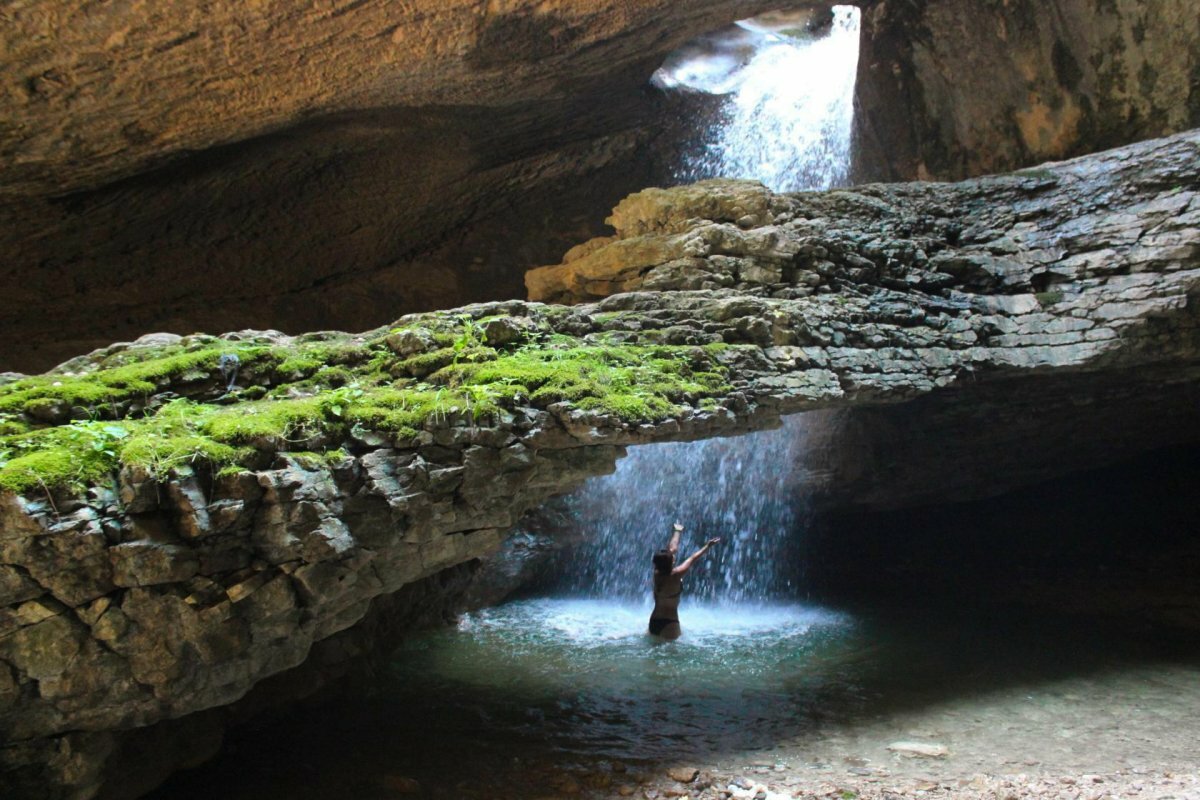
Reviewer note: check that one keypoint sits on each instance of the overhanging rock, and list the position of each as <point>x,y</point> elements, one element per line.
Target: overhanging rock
<point>158,583</point>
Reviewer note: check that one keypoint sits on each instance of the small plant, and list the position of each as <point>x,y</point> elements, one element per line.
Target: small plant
<point>470,338</point>
<point>338,401</point>
<point>1049,298</point>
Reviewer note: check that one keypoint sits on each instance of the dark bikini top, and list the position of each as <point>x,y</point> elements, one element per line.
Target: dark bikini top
<point>659,595</point>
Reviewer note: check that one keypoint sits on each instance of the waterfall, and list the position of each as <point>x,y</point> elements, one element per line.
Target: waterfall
<point>789,109</point>
<point>787,122</point>
<point>743,489</point>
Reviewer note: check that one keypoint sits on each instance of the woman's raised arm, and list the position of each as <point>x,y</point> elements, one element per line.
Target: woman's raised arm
<point>690,560</point>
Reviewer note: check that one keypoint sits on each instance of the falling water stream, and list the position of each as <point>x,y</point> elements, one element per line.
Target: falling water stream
<point>743,490</point>
<point>568,683</point>
<point>788,113</point>
<point>786,121</point>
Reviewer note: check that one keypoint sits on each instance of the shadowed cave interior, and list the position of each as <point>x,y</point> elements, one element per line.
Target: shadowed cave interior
<point>978,579</point>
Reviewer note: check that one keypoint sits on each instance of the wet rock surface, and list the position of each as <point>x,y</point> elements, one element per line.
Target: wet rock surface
<point>147,599</point>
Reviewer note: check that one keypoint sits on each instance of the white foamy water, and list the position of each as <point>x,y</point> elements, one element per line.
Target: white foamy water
<point>789,116</point>
<point>554,644</point>
<point>599,623</point>
<point>747,490</point>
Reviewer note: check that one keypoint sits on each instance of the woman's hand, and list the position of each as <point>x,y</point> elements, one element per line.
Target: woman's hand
<point>712,541</point>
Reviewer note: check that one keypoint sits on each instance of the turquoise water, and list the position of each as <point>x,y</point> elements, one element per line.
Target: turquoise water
<point>517,697</point>
<point>582,676</point>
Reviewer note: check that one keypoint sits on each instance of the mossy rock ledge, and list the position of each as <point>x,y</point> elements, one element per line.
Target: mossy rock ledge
<point>166,541</point>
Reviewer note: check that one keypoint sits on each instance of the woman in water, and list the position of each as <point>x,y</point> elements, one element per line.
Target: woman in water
<point>668,585</point>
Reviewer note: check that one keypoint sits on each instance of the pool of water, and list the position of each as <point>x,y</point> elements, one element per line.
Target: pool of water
<point>516,695</point>
<point>583,677</point>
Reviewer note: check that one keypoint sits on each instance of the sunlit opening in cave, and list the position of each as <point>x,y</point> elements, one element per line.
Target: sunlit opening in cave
<point>788,80</point>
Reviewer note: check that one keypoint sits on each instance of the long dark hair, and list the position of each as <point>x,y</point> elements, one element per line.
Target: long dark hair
<point>664,561</point>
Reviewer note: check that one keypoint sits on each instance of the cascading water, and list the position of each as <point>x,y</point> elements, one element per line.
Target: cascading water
<point>789,113</point>
<point>499,706</point>
<point>744,490</point>
<point>787,122</point>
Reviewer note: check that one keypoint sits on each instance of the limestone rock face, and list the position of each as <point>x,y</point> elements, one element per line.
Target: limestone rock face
<point>172,167</point>
<point>314,166</point>
<point>147,600</point>
<point>99,93</point>
<point>1030,247</point>
<point>948,89</point>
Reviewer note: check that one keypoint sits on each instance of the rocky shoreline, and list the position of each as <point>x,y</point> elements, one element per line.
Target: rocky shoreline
<point>773,783</point>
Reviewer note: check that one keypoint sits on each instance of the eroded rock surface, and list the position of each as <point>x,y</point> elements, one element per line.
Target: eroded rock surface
<point>99,93</point>
<point>336,164</point>
<point>308,167</point>
<point>948,90</point>
<point>150,597</point>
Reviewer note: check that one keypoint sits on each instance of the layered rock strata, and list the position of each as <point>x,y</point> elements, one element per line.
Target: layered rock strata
<point>333,165</point>
<point>948,90</point>
<point>167,541</point>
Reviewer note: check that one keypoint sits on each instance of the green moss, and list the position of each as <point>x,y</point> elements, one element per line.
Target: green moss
<point>231,471</point>
<point>73,454</point>
<point>300,364</point>
<point>94,390</point>
<point>173,437</point>
<point>56,466</point>
<point>1046,299</point>
<point>311,460</point>
<point>426,363</point>
<point>160,454</point>
<point>10,426</point>
<point>293,419</point>
<point>633,382</point>
<point>403,411</point>
<point>312,358</point>
<point>322,391</point>
<point>630,407</point>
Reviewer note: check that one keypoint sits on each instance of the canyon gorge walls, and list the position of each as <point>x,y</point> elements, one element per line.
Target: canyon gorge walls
<point>952,89</point>
<point>214,538</point>
<point>335,165</point>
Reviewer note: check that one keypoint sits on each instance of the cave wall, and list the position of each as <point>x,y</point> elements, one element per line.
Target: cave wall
<point>345,223</point>
<point>97,92</point>
<point>987,439</point>
<point>949,89</point>
<point>335,165</point>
